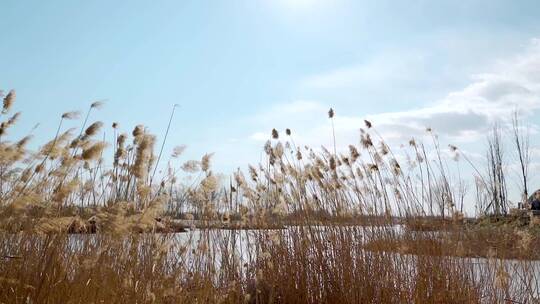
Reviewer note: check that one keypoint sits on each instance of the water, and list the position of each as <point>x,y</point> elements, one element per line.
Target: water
<point>243,247</point>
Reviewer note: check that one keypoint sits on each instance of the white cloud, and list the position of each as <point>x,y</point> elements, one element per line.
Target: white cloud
<point>491,97</point>
<point>463,115</point>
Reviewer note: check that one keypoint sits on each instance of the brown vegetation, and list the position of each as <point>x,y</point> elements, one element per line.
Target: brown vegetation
<point>327,257</point>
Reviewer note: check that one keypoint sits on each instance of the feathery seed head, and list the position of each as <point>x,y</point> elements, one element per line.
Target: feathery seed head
<point>191,166</point>
<point>332,163</point>
<point>205,162</point>
<point>8,101</point>
<point>278,150</point>
<point>298,155</point>
<point>396,168</point>
<point>96,105</point>
<point>138,131</point>
<point>94,151</point>
<point>253,173</point>
<point>384,149</point>
<point>71,115</point>
<point>354,153</point>
<point>39,168</point>
<point>121,140</point>
<point>368,124</point>
<point>143,155</point>
<point>240,179</point>
<point>22,142</point>
<point>365,139</point>
<point>13,119</point>
<point>275,134</point>
<point>93,128</point>
<point>178,150</point>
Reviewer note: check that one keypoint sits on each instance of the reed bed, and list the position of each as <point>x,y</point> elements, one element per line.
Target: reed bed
<point>340,210</point>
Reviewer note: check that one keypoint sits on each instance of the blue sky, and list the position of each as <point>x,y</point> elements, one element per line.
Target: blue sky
<point>240,68</point>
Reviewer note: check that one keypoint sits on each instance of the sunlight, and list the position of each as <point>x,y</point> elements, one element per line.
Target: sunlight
<point>303,5</point>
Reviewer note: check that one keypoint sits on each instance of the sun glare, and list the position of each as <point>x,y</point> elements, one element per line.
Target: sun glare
<point>303,5</point>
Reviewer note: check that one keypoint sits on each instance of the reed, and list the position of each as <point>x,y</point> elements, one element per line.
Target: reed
<point>303,226</point>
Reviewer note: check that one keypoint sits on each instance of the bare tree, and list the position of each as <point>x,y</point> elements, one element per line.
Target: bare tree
<point>482,196</point>
<point>520,137</point>
<point>496,176</point>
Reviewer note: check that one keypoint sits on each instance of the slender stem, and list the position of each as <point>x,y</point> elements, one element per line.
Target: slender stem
<point>163,144</point>
<point>334,137</point>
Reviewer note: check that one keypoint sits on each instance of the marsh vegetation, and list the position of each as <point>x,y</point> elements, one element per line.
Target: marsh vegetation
<point>86,221</point>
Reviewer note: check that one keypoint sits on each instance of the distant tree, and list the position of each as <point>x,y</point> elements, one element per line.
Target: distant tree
<point>520,138</point>
<point>497,187</point>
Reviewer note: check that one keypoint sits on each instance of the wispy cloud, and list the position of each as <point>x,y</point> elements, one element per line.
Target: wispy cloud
<point>463,115</point>
<point>467,113</point>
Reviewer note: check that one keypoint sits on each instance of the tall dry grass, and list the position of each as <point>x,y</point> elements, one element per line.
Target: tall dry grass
<point>344,247</point>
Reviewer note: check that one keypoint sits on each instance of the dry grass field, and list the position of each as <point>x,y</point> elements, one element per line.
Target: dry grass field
<point>87,221</point>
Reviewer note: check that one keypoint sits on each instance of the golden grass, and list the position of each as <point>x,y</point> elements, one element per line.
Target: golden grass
<point>341,244</point>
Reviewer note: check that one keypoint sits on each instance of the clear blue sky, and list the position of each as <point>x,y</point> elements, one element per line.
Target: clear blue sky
<point>240,68</point>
